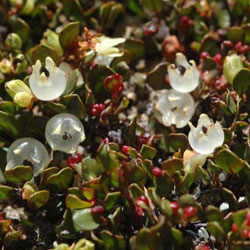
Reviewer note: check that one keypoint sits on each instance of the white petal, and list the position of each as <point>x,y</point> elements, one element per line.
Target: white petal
<point>186,82</point>
<point>110,42</point>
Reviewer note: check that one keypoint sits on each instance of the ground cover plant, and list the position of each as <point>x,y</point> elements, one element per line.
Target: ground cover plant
<point>124,124</point>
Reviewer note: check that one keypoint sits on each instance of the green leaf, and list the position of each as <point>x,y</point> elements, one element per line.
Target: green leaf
<point>53,41</point>
<point>38,199</point>
<point>172,165</point>
<point>106,158</point>
<point>71,81</point>
<point>96,78</point>
<point>148,152</point>
<point>20,27</point>
<point>235,34</point>
<point>241,81</point>
<point>111,199</point>
<point>216,230</point>
<point>213,213</point>
<point>112,242</point>
<point>156,78</point>
<point>8,124</point>
<point>136,48</point>
<point>177,236</point>
<point>74,105</point>
<point>187,181</point>
<point>228,161</point>
<point>19,174</point>
<point>74,202</point>
<point>230,198</point>
<point>90,169</point>
<point>177,141</point>
<point>83,220</point>
<point>239,217</point>
<point>5,193</point>
<point>60,180</point>
<point>69,34</point>
<point>42,51</point>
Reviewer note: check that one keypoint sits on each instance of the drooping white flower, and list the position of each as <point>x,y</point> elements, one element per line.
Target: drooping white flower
<point>106,47</point>
<point>47,82</point>
<point>206,136</point>
<point>184,77</point>
<point>64,132</point>
<point>174,108</point>
<point>28,151</point>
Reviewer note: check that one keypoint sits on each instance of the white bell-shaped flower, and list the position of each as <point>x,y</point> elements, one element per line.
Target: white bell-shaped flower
<point>28,151</point>
<point>206,136</point>
<point>106,46</point>
<point>184,77</point>
<point>173,108</point>
<point>64,132</point>
<point>47,82</point>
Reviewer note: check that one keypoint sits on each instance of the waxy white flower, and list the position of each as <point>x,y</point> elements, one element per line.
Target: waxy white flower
<point>206,136</point>
<point>28,151</point>
<point>174,108</point>
<point>64,132</point>
<point>47,82</point>
<point>184,77</point>
<point>106,47</point>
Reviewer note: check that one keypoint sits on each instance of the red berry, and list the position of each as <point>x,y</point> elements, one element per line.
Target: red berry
<point>175,206</point>
<point>97,210</point>
<point>204,247</point>
<point>125,149</point>
<point>238,46</point>
<point>93,201</point>
<point>189,212</point>
<point>113,83</point>
<point>157,172</point>
<point>101,107</point>
<point>139,211</point>
<point>74,159</point>
<point>248,219</point>
<point>217,58</point>
<point>142,198</point>
<point>246,233</point>
<point>244,49</point>
<point>94,111</point>
<point>228,44</point>
<point>204,55</point>
<point>150,29</point>
<point>144,138</point>
<point>185,20</point>
<point>234,227</point>
<point>106,140</point>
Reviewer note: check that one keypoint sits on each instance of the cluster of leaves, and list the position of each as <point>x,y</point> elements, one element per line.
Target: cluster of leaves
<point>133,188</point>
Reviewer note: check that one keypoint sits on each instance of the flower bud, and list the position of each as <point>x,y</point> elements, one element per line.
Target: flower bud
<point>19,64</point>
<point>84,244</point>
<point>232,65</point>
<point>23,99</point>
<point>5,66</point>
<point>13,41</point>
<point>15,86</point>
